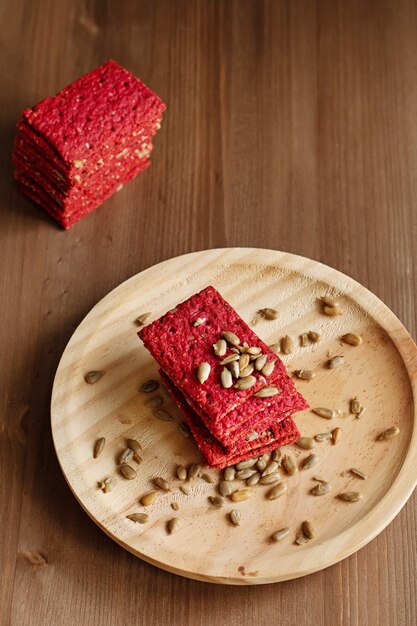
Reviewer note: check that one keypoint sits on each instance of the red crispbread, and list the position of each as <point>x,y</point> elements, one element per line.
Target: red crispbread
<point>179,347</point>
<point>279,434</point>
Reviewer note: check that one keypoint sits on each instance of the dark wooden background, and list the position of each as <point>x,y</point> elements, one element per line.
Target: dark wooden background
<point>290,125</point>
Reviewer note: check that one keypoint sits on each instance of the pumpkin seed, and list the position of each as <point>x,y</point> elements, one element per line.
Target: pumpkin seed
<point>106,485</point>
<point>230,359</point>
<point>245,473</point>
<point>245,383</point>
<point>308,529</point>
<point>389,434</point>
<point>277,491</point>
<point>290,465</point>
<point>313,336</point>
<point>99,447</point>
<point>185,489</point>
<point>175,505</point>
<point>226,378</point>
<point>193,471</point>
<point>326,413</point>
<point>173,525</point>
<point>199,321</point>
<point>241,494</point>
<point>216,500</point>
<point>140,518</point>
<point>270,479</point>
<point>275,347</point>
<point>336,434</point>
<point>229,473</point>
<point>253,480</point>
<point>355,406</point>
<point>185,429</point>
<point>270,468</point>
<point>300,539</point>
<point>231,338</point>
<point>220,347</point>
<point>276,455</point>
<point>350,496</point>
<point>332,311</point>
<point>323,436</point>
<point>306,442</point>
<point>234,369</point>
<point>329,301</point>
<point>247,371</point>
<point>244,361</point>
<point>267,392</point>
<point>149,386</point>
<point>181,472</point>
<point>163,415</point>
<point>142,319</point>
<point>93,376</point>
<point>304,340</point>
<point>335,362</point>
<point>128,471</point>
<point>358,473</point>
<point>225,488</point>
<point>310,461</point>
<point>235,517</point>
<point>126,456</point>
<point>352,339</point>
<point>321,489</point>
<point>287,344</point>
<point>203,372</point>
<point>134,445</point>
<point>156,402</point>
<point>208,478</point>
<point>161,483</point>
<point>305,374</point>
<point>260,362</point>
<point>280,534</point>
<point>246,463</point>
<point>149,498</point>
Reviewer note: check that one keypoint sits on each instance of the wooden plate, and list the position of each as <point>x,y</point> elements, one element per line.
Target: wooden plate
<point>381,372</point>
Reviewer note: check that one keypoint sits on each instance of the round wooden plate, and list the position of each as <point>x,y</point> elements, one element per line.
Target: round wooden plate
<point>382,372</point>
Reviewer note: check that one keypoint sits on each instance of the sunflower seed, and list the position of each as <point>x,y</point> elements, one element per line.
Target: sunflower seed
<point>246,473</point>
<point>235,350</point>
<point>326,413</point>
<point>193,471</point>
<point>216,500</point>
<point>185,489</point>
<point>321,489</point>
<point>134,445</point>
<point>254,350</point>
<point>280,534</point>
<point>290,465</point>
<point>230,358</point>
<point>287,344</point>
<point>185,429</point>
<point>225,488</point>
<point>310,461</point>
<point>126,456</point>
<point>262,462</point>
<point>199,321</point>
<point>308,529</point>
<point>260,362</point>
<point>300,539</point>
<point>352,339</point>
<point>235,517</point>
<point>355,406</point>
<point>149,386</point>
<point>306,442</point>
<point>246,463</point>
<point>388,434</point>
<point>270,468</point>
<point>149,498</point>
<point>276,455</point>
<point>270,479</point>
<point>128,471</point>
<point>247,371</point>
<point>93,377</point>
<point>231,338</point>
<point>234,369</point>
<point>332,311</point>
<point>142,319</point>
<point>336,434</point>
<point>313,336</point>
<point>175,505</point>
<point>241,494</point>
<point>161,483</point>
<point>268,368</point>
<point>350,496</point>
<point>181,472</point>
<point>141,518</point>
<point>156,402</point>
<point>208,478</point>
<point>245,383</point>
<point>244,361</point>
<point>106,485</point>
<point>99,447</point>
<point>253,480</point>
<point>173,525</point>
<point>277,491</point>
<point>163,415</point>
<point>229,473</point>
<point>335,362</point>
<point>358,473</point>
<point>226,378</point>
<point>305,374</point>
<point>329,301</point>
<point>267,392</point>
<point>323,436</point>
<point>220,347</point>
<point>268,314</point>
<point>203,372</point>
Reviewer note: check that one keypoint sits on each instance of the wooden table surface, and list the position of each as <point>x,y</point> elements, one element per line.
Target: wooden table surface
<point>290,125</point>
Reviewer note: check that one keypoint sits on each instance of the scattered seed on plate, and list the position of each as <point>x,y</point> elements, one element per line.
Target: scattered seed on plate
<point>280,534</point>
<point>358,473</point>
<point>193,471</point>
<point>306,442</point>
<point>203,372</point>
<point>270,468</point>
<point>260,362</point>
<point>126,456</point>
<point>328,414</point>
<point>161,483</point>
<point>253,480</point>
<point>140,518</point>
<point>220,347</point>
<point>350,496</point>
<point>336,361</point>
<point>156,402</point>
<point>99,447</point>
<point>181,472</point>
<point>175,505</point>
<point>173,525</point>
<point>241,494</point>
<point>323,436</point>
<point>246,463</point>
<point>230,359</point>
<point>127,471</point>
<point>209,478</point>
<point>268,368</point>
<point>355,406</point>
<point>106,485</point>
<point>245,383</point>
<point>149,498</point>
<point>142,319</point>
<point>305,374</point>
<point>287,344</point>
<point>321,489</point>
<point>93,376</point>
<point>225,488</point>
<point>185,489</point>
<point>267,392</point>
<point>277,491</point>
<point>244,361</point>
<point>336,435</point>
<point>389,434</point>
<point>184,429</point>
<point>226,378</point>
<point>253,350</point>
<point>270,479</point>
<point>216,500</point>
<point>163,415</point>
<point>310,461</point>
<point>235,517</point>
<point>268,314</point>
<point>304,340</point>
<point>150,386</point>
<point>352,339</point>
<point>290,465</point>
<point>308,529</point>
<point>261,464</point>
<point>229,473</point>
<point>231,338</point>
<point>234,369</point>
<point>247,371</point>
<point>300,539</point>
<point>313,336</point>
<point>275,347</point>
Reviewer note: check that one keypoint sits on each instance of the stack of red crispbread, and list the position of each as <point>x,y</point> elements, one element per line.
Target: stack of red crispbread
<point>228,423</point>
<point>76,149</point>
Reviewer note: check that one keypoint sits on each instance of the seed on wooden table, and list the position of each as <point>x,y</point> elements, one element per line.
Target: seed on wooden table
<point>304,340</point>
<point>332,311</point>
<point>231,338</point>
<point>336,435</point>
<point>270,479</point>
<point>234,369</point>
<point>106,485</point>
<point>163,415</point>
<point>306,442</point>
<point>149,386</point>
<point>229,473</point>
<point>241,494</point>
<point>267,392</point>
<point>253,480</point>
<point>128,471</point>
<point>235,517</point>
<point>245,383</point>
<point>323,436</point>
<point>246,463</point>
<point>308,529</point>
<point>245,474</point>
<point>134,445</point>
<point>336,361</point>
<point>270,468</point>
<point>209,478</point>
<point>275,347</point>
<point>173,525</point>
<point>352,339</point>
<point>321,489</point>
<point>93,376</point>
<point>260,362</point>
<point>355,406</point>
<point>290,465</point>
<point>149,498</point>
<point>181,472</point>
<point>254,350</point>
<point>358,473</point>
<point>140,518</point>
<point>199,321</point>
<point>388,434</point>
<point>226,378</point>
<point>328,414</point>
<point>268,313</point>
<point>216,500</point>
<point>305,374</point>
<point>193,471</point>
<point>126,456</point>
<point>156,402</point>
<point>280,534</point>
<point>277,491</point>
<point>185,489</point>
<point>350,496</point>
<point>230,359</point>
<point>161,483</point>
<point>99,447</point>
<point>225,488</point>
<point>142,319</point>
<point>276,455</point>
<point>203,372</point>
<point>310,461</point>
<point>247,371</point>
<point>313,336</point>
<point>329,301</point>
<point>220,347</point>
<point>185,429</point>
<point>175,505</point>
<point>287,344</point>
<point>300,539</point>
<point>244,361</point>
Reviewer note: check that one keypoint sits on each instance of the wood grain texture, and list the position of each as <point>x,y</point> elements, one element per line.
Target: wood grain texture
<point>290,125</point>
